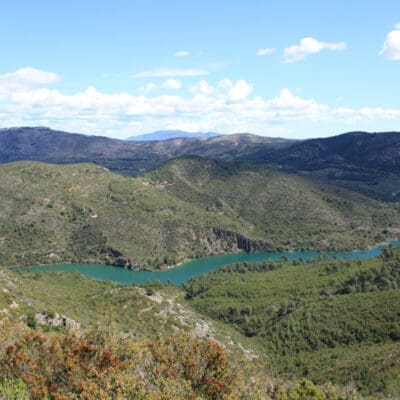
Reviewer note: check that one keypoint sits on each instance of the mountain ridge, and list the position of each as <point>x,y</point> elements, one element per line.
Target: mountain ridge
<point>365,162</point>
<point>121,156</point>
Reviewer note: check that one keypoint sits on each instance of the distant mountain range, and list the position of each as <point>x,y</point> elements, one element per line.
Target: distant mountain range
<point>122,156</point>
<point>360,161</point>
<point>171,134</point>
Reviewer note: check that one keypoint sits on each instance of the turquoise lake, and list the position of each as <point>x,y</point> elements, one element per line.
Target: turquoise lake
<point>184,272</point>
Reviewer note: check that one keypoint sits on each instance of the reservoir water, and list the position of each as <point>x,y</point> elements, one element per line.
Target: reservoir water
<point>184,272</point>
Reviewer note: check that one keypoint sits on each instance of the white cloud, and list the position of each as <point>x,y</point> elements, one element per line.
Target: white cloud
<point>202,88</point>
<point>224,106</point>
<point>172,84</point>
<point>165,73</point>
<point>307,46</point>
<point>25,77</point>
<point>236,91</point>
<point>266,51</point>
<point>391,46</point>
<point>182,53</point>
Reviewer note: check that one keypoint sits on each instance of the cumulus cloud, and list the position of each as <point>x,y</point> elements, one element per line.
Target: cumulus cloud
<point>165,73</point>
<point>172,84</point>
<point>25,78</point>
<point>391,46</point>
<point>307,46</point>
<point>224,106</point>
<point>236,91</point>
<point>182,53</point>
<point>28,76</point>
<point>266,51</point>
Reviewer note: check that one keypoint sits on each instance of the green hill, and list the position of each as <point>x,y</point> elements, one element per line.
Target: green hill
<point>132,343</point>
<point>333,320</point>
<point>186,208</point>
<point>327,320</point>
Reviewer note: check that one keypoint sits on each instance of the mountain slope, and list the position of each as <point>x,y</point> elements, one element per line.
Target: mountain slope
<point>366,162</point>
<point>329,320</point>
<point>187,208</point>
<point>379,151</point>
<point>121,156</point>
<point>360,161</point>
<point>279,206</point>
<point>43,144</point>
<point>141,343</point>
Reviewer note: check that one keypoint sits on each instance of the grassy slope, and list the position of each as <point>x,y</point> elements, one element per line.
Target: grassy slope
<point>314,319</point>
<point>127,321</point>
<point>139,312</point>
<point>296,320</point>
<point>282,208</point>
<point>63,213</point>
<point>52,213</point>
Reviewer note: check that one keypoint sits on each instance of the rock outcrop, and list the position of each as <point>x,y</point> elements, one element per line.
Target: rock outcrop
<point>235,241</point>
<point>57,320</point>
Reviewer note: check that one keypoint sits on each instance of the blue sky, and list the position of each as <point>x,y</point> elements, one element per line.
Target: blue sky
<point>120,68</point>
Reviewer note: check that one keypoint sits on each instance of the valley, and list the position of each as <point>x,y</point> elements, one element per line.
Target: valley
<point>181,274</point>
<point>326,320</point>
<point>199,200</point>
<point>274,292</point>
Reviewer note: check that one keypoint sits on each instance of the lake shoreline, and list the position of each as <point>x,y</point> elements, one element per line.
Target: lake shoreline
<point>182,273</point>
<point>189,260</point>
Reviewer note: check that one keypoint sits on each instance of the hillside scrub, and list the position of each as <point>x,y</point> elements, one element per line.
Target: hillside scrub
<point>120,335</point>
<point>37,365</point>
<point>325,319</point>
<point>185,209</point>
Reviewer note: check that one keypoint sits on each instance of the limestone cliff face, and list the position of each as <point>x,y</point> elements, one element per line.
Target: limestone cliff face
<point>232,241</point>
<point>214,241</point>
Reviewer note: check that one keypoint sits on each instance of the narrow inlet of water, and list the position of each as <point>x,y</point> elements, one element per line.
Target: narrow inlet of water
<point>184,272</point>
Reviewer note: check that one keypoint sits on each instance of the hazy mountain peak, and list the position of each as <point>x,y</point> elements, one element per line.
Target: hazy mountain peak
<point>171,134</point>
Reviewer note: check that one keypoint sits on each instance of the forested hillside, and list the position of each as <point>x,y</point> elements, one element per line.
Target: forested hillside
<point>333,322</point>
<point>187,208</point>
<point>328,320</point>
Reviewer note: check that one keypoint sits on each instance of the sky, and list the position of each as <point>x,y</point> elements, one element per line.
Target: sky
<point>294,69</point>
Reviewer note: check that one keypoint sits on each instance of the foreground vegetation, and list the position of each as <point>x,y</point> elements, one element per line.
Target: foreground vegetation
<point>185,209</point>
<point>118,351</point>
<point>272,324</point>
<point>326,319</point>
<point>66,366</point>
